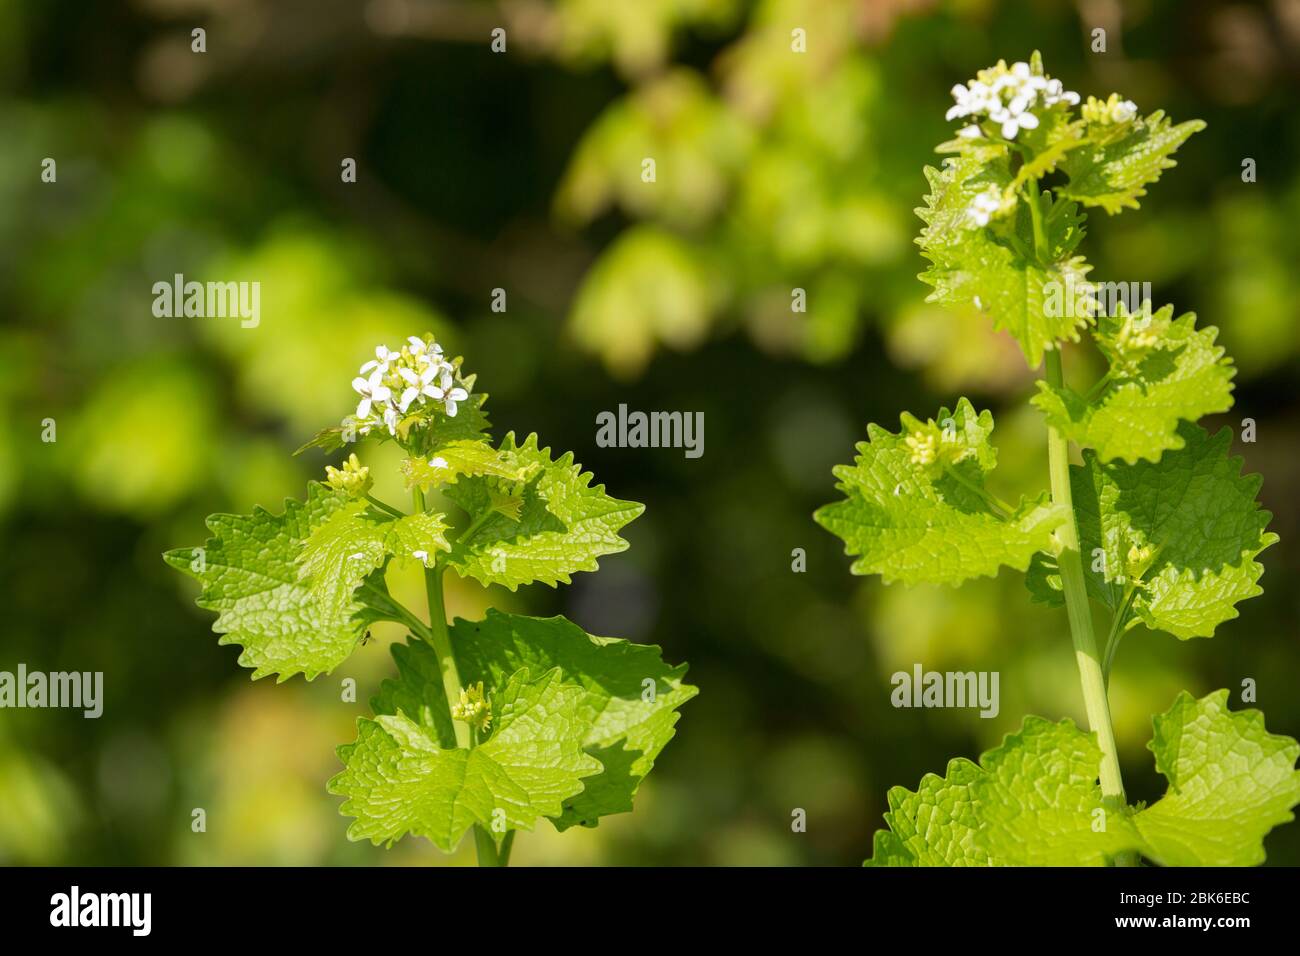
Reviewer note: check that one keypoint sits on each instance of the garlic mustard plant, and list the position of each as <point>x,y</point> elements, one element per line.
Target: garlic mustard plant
<point>1169,525</point>
<point>489,725</point>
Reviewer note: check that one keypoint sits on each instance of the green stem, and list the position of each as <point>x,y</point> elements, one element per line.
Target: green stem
<point>1117,623</point>
<point>464,537</point>
<point>1036,214</point>
<point>404,615</point>
<point>1079,613</point>
<point>1098,388</point>
<point>385,507</point>
<point>1000,507</point>
<point>440,638</point>
<point>488,854</point>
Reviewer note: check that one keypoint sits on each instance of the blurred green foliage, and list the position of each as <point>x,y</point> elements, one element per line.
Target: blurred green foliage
<point>523,171</point>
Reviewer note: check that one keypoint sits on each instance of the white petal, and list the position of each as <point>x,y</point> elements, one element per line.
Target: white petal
<point>361,385</point>
<point>1010,128</point>
<point>408,396</point>
<point>410,376</point>
<point>368,366</point>
<point>363,408</point>
<point>434,392</point>
<point>381,393</point>
<point>457,395</point>
<point>451,408</point>
<point>1028,121</point>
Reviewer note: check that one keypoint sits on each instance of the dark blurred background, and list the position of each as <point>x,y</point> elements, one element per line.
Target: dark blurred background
<point>521,171</point>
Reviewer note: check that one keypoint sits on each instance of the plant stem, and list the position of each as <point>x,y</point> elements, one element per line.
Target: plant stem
<point>385,507</point>
<point>999,507</point>
<point>1036,214</point>
<point>401,613</point>
<point>488,854</point>
<point>473,529</point>
<point>1098,388</point>
<point>1116,633</point>
<point>440,638</point>
<point>1076,603</point>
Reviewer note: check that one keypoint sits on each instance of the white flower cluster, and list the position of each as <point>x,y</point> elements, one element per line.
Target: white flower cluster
<point>1007,96</point>
<point>392,381</point>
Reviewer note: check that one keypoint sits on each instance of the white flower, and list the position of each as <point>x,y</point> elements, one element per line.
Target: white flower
<point>1007,96</point>
<point>450,397</point>
<point>380,361</point>
<point>422,350</point>
<point>372,390</point>
<point>392,382</point>
<point>420,384</point>
<point>984,205</point>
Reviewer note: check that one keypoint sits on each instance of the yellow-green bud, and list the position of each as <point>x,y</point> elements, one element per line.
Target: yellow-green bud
<point>1109,112</point>
<point>924,448</point>
<point>1137,561</point>
<point>472,708</point>
<point>353,477</point>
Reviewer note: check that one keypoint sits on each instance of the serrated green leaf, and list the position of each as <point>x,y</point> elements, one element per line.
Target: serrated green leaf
<point>399,778</point>
<point>995,268</point>
<point>565,523</point>
<point>909,521</point>
<point>1152,388</point>
<point>1055,136</point>
<point>251,577</point>
<point>1114,170</point>
<point>1230,782</point>
<point>1033,801</point>
<point>936,825</point>
<point>1040,803</point>
<point>627,730</point>
<point>358,538</point>
<point>1191,518</point>
<point>465,458</point>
